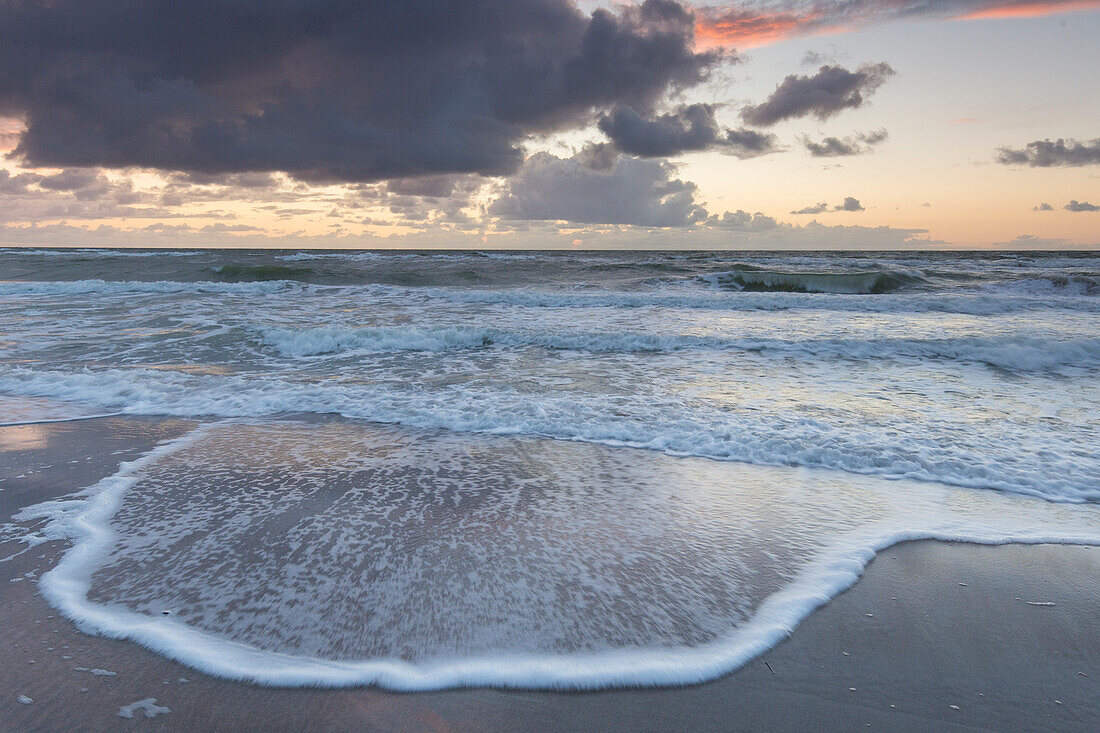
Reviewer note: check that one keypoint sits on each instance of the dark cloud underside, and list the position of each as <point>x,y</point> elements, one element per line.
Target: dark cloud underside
<point>326,89</point>
<point>830,91</point>
<point>833,147</point>
<point>850,203</point>
<point>690,128</point>
<point>1079,206</point>
<point>1047,153</point>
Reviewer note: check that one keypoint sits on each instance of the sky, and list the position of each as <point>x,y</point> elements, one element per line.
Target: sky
<point>769,124</point>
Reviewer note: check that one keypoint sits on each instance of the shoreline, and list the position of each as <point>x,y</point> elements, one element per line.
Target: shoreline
<point>929,625</point>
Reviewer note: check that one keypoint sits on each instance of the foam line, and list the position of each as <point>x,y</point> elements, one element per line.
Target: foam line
<point>58,419</point>
<point>67,585</point>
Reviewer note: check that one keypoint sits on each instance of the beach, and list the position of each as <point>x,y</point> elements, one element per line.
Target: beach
<point>525,490</point>
<point>549,365</point>
<point>935,636</point>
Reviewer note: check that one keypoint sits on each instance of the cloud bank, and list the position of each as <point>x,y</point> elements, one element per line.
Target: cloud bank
<point>632,192</point>
<point>327,90</point>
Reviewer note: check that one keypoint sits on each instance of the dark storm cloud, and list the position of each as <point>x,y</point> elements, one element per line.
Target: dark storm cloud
<point>690,128</point>
<point>833,147</point>
<point>1075,205</point>
<point>351,90</point>
<point>1047,153</point>
<point>828,92</point>
<point>633,192</point>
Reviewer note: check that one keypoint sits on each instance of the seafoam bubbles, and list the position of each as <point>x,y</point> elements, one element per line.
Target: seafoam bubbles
<point>341,553</point>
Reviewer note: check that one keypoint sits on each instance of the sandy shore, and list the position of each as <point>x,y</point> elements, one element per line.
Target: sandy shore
<point>936,636</point>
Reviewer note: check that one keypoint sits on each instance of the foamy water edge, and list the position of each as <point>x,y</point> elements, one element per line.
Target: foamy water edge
<point>86,523</point>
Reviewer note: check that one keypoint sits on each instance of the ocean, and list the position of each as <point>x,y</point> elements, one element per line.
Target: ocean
<point>540,469</point>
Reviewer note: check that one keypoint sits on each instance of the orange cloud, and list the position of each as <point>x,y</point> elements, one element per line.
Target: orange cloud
<point>744,27</point>
<point>1015,9</point>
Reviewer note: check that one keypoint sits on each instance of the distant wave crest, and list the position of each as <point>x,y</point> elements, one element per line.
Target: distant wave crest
<point>845,283</point>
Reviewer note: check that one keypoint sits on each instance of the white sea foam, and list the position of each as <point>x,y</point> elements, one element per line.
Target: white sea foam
<point>15,410</point>
<point>98,253</point>
<point>148,706</point>
<point>126,287</point>
<point>341,555</point>
<point>1050,458</point>
<point>976,303</point>
<point>1014,352</point>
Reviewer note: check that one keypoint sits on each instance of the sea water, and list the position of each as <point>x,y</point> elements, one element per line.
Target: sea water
<point>540,469</point>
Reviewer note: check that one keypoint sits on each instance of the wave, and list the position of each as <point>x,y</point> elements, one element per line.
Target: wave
<point>1079,284</point>
<point>813,567</point>
<point>262,273</point>
<point>753,279</point>
<point>988,461</point>
<point>1015,353</point>
<point>88,252</point>
<point>122,287</point>
<point>970,303</point>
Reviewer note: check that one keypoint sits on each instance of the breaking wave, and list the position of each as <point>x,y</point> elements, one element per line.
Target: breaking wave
<point>1015,353</point>
<point>262,273</point>
<point>124,287</point>
<point>753,279</point>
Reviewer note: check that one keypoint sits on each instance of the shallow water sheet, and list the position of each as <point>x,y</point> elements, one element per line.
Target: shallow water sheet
<point>340,553</point>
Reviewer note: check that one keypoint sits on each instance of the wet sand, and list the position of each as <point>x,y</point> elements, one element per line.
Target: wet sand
<point>935,636</point>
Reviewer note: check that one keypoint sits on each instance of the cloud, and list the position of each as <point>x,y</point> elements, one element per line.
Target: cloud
<point>814,58</point>
<point>1032,242</point>
<point>633,192</point>
<point>1045,153</point>
<point>742,221</point>
<point>783,236</point>
<point>1043,207</point>
<point>690,128</point>
<point>327,90</point>
<point>828,92</point>
<point>429,187</point>
<point>17,185</point>
<point>833,147</point>
<point>749,24</point>
<point>850,203</point>
<point>598,156</point>
<point>1076,205</point>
